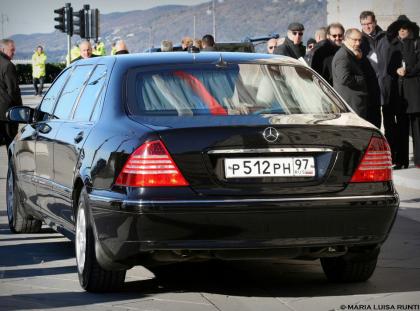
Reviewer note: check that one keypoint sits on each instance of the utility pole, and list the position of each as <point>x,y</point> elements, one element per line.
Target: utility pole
<point>4,19</point>
<point>214,19</point>
<point>69,29</point>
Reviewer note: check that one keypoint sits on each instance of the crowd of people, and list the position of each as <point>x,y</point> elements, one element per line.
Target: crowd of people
<point>85,49</point>
<point>377,72</point>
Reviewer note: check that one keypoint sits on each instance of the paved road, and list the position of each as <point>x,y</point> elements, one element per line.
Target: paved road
<point>38,272</point>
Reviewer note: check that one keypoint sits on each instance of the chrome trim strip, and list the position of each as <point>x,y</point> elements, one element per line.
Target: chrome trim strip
<point>265,150</point>
<point>49,183</point>
<point>147,202</point>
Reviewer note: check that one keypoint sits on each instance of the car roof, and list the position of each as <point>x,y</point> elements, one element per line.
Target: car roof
<point>246,46</point>
<point>168,58</point>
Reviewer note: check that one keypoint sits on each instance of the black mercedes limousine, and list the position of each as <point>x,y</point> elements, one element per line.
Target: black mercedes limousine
<point>149,159</point>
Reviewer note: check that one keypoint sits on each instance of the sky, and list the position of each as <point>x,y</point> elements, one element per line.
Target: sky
<point>37,16</point>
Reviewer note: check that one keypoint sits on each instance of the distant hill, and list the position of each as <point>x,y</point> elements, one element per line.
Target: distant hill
<point>235,20</point>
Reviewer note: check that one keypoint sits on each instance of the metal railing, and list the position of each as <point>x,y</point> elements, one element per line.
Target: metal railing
<point>22,61</point>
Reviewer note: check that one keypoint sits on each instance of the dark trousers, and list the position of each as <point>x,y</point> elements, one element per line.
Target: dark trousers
<point>5,139</point>
<point>40,80</point>
<point>402,139</point>
<point>415,129</point>
<point>374,115</point>
<point>390,126</point>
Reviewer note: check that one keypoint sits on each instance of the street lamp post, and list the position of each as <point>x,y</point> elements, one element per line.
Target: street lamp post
<point>213,13</point>
<point>151,38</point>
<point>4,19</point>
<point>194,27</point>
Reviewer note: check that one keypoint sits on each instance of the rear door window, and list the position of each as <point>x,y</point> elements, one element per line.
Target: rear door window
<point>91,94</point>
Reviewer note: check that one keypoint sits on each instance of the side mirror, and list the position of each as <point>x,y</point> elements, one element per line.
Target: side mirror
<point>20,114</point>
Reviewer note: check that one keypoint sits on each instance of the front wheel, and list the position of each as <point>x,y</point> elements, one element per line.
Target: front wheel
<point>351,267</point>
<point>92,276</point>
<point>19,221</point>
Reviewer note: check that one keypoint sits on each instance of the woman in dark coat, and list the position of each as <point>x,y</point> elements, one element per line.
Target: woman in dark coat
<point>404,68</point>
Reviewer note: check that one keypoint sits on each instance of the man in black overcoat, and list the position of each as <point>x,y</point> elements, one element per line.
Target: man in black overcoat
<point>351,72</point>
<point>9,90</point>
<point>293,46</point>
<point>324,51</point>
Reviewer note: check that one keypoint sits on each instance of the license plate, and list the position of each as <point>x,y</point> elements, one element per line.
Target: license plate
<point>270,167</point>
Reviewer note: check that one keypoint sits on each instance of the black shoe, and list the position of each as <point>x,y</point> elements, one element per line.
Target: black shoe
<point>400,166</point>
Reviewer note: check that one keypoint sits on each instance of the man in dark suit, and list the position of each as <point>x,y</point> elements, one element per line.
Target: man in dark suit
<point>349,71</point>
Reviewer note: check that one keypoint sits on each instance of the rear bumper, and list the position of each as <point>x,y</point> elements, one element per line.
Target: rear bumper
<point>127,229</point>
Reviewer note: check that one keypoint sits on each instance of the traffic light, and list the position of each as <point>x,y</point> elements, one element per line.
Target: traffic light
<point>68,20</point>
<point>64,19</point>
<point>60,19</point>
<point>94,24</point>
<point>84,23</point>
<point>79,24</point>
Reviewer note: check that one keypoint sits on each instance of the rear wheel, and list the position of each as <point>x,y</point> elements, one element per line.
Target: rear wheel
<point>92,276</point>
<point>352,267</point>
<point>19,221</point>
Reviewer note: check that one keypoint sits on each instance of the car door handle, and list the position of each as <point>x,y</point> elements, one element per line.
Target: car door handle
<point>44,128</point>
<point>78,137</point>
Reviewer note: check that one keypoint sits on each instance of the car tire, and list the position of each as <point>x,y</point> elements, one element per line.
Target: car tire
<point>92,277</point>
<point>352,267</point>
<point>19,220</point>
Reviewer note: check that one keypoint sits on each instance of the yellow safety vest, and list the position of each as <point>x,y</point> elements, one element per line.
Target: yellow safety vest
<point>38,64</point>
<point>75,52</point>
<point>100,49</point>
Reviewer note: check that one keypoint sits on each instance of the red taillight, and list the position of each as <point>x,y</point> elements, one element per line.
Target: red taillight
<point>376,164</point>
<point>150,165</point>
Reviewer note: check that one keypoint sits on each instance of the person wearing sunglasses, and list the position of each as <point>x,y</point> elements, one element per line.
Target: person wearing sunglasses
<point>292,45</point>
<point>324,51</point>
<point>335,33</point>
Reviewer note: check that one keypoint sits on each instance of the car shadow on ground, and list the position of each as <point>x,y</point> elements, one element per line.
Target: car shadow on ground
<point>285,278</point>
<point>26,273</point>
<point>34,253</point>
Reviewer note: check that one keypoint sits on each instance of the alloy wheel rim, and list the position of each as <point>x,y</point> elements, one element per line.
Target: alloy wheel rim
<point>10,197</point>
<point>81,239</point>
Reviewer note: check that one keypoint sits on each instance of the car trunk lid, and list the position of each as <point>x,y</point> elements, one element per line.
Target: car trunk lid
<point>204,147</point>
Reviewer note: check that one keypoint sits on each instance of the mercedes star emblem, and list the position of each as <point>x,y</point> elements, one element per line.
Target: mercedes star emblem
<point>270,134</point>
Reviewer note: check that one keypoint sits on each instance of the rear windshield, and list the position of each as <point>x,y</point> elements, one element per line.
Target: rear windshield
<point>243,89</point>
